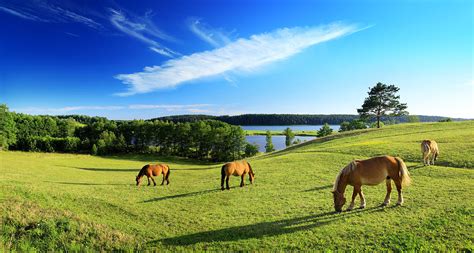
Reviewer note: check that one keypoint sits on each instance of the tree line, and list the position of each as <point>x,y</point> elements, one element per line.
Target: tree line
<point>293,119</point>
<point>204,139</point>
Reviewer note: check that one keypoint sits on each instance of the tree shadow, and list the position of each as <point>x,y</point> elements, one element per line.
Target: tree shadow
<point>205,168</point>
<point>189,194</point>
<point>107,169</point>
<point>138,169</point>
<point>79,183</point>
<point>153,158</point>
<point>263,229</point>
<point>319,188</point>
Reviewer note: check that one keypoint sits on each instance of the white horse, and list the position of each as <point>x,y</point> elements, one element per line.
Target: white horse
<point>429,148</point>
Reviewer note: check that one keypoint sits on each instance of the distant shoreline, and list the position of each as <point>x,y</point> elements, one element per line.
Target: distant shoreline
<point>274,132</point>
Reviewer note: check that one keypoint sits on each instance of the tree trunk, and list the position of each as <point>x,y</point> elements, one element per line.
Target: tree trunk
<point>378,121</point>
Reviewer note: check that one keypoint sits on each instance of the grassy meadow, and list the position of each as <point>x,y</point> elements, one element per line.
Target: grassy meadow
<point>82,202</point>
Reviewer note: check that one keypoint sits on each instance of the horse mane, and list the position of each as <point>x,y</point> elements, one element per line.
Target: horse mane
<point>346,170</point>
<point>142,171</point>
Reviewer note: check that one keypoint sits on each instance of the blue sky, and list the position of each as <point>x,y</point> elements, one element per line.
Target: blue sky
<point>125,60</point>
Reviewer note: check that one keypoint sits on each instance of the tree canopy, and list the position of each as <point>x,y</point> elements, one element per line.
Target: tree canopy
<point>382,100</point>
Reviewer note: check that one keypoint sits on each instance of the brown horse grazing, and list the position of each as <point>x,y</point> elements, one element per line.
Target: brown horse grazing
<point>372,171</point>
<point>238,168</point>
<point>429,148</point>
<point>151,170</point>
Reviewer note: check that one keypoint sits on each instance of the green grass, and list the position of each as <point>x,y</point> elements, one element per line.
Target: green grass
<point>81,202</point>
<point>274,132</point>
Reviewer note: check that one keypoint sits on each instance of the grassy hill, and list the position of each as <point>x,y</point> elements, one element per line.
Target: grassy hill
<point>80,202</point>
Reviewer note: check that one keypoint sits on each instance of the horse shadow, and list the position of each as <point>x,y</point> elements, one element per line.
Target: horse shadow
<point>415,167</point>
<point>263,229</point>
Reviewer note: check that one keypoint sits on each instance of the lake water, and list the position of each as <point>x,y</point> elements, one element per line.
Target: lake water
<point>279,140</point>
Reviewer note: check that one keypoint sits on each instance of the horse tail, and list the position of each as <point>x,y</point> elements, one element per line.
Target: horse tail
<point>402,168</point>
<point>250,168</point>
<point>168,174</point>
<point>436,153</point>
<point>425,146</point>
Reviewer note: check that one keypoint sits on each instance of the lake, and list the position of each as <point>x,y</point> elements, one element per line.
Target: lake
<point>279,140</point>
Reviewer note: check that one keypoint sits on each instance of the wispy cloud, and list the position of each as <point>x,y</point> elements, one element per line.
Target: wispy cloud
<point>213,36</point>
<point>169,107</point>
<point>104,19</point>
<point>242,54</point>
<point>191,108</point>
<point>21,14</point>
<point>43,11</point>
<point>143,29</point>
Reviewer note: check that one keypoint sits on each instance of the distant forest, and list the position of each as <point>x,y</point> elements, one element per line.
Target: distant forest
<point>289,119</point>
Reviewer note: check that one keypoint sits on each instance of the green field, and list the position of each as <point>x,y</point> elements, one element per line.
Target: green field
<point>80,202</point>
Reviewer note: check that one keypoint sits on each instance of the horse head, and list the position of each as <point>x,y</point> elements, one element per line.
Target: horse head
<point>251,177</point>
<point>339,200</point>
<point>138,180</point>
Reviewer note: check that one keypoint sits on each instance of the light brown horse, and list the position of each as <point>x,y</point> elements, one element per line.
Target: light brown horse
<point>372,171</point>
<point>237,168</point>
<point>429,148</point>
<point>151,170</point>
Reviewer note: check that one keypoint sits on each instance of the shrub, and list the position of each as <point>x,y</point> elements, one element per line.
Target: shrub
<point>94,150</point>
<point>251,149</point>
<point>325,130</point>
<point>353,125</point>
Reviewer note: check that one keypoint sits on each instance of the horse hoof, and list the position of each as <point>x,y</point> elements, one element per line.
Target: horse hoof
<point>228,188</point>
<point>222,189</point>
<point>384,204</point>
<point>361,207</point>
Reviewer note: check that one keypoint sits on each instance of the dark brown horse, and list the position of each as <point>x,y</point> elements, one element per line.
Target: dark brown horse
<point>151,170</point>
<point>238,168</point>
<point>372,171</point>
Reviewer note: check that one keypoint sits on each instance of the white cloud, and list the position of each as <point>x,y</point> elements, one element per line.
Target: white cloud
<point>170,107</point>
<point>192,108</point>
<point>142,29</point>
<point>213,36</point>
<point>242,54</point>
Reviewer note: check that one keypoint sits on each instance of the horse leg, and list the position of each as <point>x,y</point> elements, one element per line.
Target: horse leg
<point>388,182</point>
<point>227,182</point>
<point>362,199</point>
<point>148,180</point>
<point>398,184</point>
<point>242,180</point>
<point>354,195</point>
<point>222,181</point>
<point>163,180</point>
<point>152,179</point>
